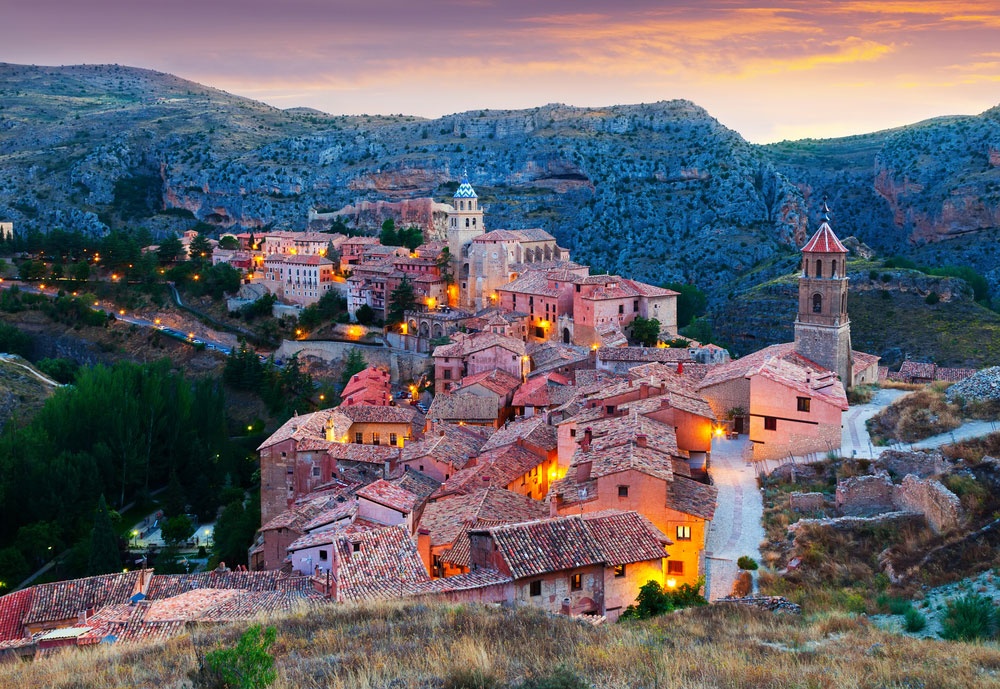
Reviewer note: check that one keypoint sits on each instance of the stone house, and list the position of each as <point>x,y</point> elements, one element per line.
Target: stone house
<point>296,279</point>
<point>592,564</point>
<point>443,451</point>
<point>370,386</point>
<point>477,353</point>
<point>510,466</point>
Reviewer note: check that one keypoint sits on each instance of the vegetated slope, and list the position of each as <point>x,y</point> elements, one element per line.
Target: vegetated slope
<point>23,389</point>
<point>655,190</point>
<point>411,645</point>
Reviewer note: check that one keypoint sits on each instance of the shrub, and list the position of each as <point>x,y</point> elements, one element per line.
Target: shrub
<point>653,600</point>
<point>932,298</point>
<point>969,618</point>
<point>914,620</point>
<point>746,562</point>
<point>475,678</point>
<point>249,665</point>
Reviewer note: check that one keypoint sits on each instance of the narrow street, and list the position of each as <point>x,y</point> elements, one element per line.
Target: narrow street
<point>736,529</point>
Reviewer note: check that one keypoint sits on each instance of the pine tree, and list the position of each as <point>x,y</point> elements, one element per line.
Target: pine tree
<point>401,300</point>
<point>174,501</point>
<point>104,555</point>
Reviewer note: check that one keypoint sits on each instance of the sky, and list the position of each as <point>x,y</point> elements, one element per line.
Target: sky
<point>787,69</point>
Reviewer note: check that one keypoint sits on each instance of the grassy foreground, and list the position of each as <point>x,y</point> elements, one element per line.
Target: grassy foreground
<point>450,646</point>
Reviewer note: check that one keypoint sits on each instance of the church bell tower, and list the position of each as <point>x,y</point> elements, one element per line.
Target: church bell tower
<point>822,328</point>
<point>465,223</point>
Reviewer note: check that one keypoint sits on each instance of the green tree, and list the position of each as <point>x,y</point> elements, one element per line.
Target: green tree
<point>699,329</point>
<point>645,331</point>
<point>691,302</point>
<point>62,370</point>
<point>200,249</point>
<point>354,363</point>
<point>411,237</point>
<point>401,300</point>
<point>177,529</point>
<point>333,255</point>
<point>174,500</point>
<point>32,270</point>
<point>14,341</point>
<point>443,262</point>
<point>58,271</point>
<point>388,236</point>
<point>104,555</point>
<point>229,243</point>
<point>80,271</point>
<point>170,248</point>
<point>249,665</point>
<point>365,314</point>
<point>234,533</point>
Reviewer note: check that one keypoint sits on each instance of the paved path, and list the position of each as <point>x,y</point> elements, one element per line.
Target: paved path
<point>736,529</point>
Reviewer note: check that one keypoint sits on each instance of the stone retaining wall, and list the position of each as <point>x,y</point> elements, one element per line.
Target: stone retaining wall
<point>865,495</point>
<point>921,464</point>
<point>941,508</point>
<point>807,502</point>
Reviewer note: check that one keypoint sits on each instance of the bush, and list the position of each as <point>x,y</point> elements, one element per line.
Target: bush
<point>913,620</point>
<point>475,678</point>
<point>746,562</point>
<point>932,298</point>
<point>248,665</point>
<point>653,600</point>
<point>970,618</point>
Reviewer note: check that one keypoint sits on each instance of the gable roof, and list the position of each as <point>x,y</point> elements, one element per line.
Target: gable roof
<point>497,381</point>
<point>475,342</point>
<point>462,406</point>
<point>446,519</point>
<point>390,495</point>
<point>65,599</point>
<point>299,427</point>
<point>13,609</point>
<point>498,467</point>
<point>691,497</point>
<point>384,556</point>
<point>533,430</point>
<point>447,442</point>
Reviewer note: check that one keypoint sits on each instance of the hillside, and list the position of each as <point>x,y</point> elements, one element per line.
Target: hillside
<point>23,389</point>
<point>413,645</point>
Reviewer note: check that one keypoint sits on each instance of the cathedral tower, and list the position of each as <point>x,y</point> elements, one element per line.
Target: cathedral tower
<point>822,328</point>
<point>465,222</point>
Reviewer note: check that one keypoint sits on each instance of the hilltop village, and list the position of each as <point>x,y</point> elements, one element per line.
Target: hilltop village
<point>555,465</point>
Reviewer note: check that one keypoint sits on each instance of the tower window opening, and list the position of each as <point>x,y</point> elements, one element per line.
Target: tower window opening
<point>817,303</point>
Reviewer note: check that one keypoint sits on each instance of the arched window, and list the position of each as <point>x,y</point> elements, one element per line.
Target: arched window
<point>833,269</point>
<point>843,303</point>
<point>473,222</point>
<point>817,303</point>
<point>819,268</point>
<point>466,222</point>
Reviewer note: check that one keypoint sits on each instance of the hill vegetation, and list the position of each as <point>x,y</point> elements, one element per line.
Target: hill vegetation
<point>418,645</point>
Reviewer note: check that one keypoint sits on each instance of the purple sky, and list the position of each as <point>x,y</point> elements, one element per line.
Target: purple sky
<point>789,69</point>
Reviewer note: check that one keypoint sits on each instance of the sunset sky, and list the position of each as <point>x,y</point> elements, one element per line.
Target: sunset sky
<point>785,69</point>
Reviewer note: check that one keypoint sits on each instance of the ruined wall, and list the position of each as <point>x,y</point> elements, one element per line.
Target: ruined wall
<point>921,464</point>
<point>865,495</point>
<point>807,502</point>
<point>941,508</point>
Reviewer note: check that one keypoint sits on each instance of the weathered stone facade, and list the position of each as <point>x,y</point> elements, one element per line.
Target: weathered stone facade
<point>921,464</point>
<point>807,502</point>
<point>941,508</point>
<point>861,496</point>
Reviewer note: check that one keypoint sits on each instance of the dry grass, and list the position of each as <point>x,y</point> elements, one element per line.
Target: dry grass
<point>915,417</point>
<point>409,645</point>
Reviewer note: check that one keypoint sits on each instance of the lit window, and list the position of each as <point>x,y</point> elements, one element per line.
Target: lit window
<point>675,567</point>
<point>683,533</point>
<point>576,582</point>
<point>376,440</point>
<point>619,571</point>
<point>392,439</point>
<point>359,437</point>
<point>802,403</point>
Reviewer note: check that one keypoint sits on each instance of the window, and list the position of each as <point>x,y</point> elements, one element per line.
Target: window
<point>610,409</point>
<point>323,555</point>
<point>576,582</point>
<point>635,305</point>
<point>359,437</point>
<point>316,472</point>
<point>420,468</point>
<point>817,303</point>
<point>770,423</point>
<point>572,433</point>
<point>376,440</point>
<point>802,403</point>
<point>621,308</point>
<point>619,571</point>
<point>447,374</point>
<point>535,588</point>
<point>356,547</point>
<point>683,533</point>
<point>539,331</point>
<point>675,567</point>
<point>392,439</point>
<point>622,491</point>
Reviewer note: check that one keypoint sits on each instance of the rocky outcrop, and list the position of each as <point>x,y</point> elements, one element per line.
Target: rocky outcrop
<point>981,386</point>
<point>776,604</point>
<point>425,213</point>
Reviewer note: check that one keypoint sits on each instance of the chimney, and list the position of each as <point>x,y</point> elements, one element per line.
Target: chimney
<point>680,367</point>
<point>588,436</point>
<point>640,440</point>
<point>664,403</point>
<point>424,547</point>
<point>643,390</point>
<point>441,433</point>
<point>583,471</point>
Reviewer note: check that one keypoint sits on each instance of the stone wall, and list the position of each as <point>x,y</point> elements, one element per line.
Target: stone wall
<point>941,508</point>
<point>865,495</point>
<point>807,502</point>
<point>402,365</point>
<point>921,464</point>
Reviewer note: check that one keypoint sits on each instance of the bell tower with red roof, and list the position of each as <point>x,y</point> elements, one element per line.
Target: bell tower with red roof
<point>822,328</point>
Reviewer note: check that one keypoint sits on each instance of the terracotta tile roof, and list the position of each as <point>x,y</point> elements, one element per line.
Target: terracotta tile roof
<point>343,417</point>
<point>738,368</point>
<point>251,604</point>
<point>532,283</point>
<point>644,354</point>
<point>420,484</point>
<point>189,605</point>
<point>497,236</point>
<point>611,334</point>
<point>64,599</point>
<point>499,467</point>
<point>476,342</point>
<point>533,430</point>
<point>690,403</point>
<point>646,290</point>
<point>297,260</point>
<point>805,377</point>
<point>863,360</point>
<point>462,406</point>
<point>449,517</point>
<point>691,375</point>
<point>305,426</point>
<point>169,585</point>
<point>542,392</point>
<point>691,497</point>
<point>296,517</point>
<point>345,510</point>
<point>547,356</point>
<point>615,431</point>
<point>390,495</point>
<point>13,609</point>
<point>825,242</point>
<point>446,443</point>
<point>371,454</point>
<point>954,374</point>
<point>500,382</point>
<point>534,548</point>
<point>385,556</point>
<point>460,551</point>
